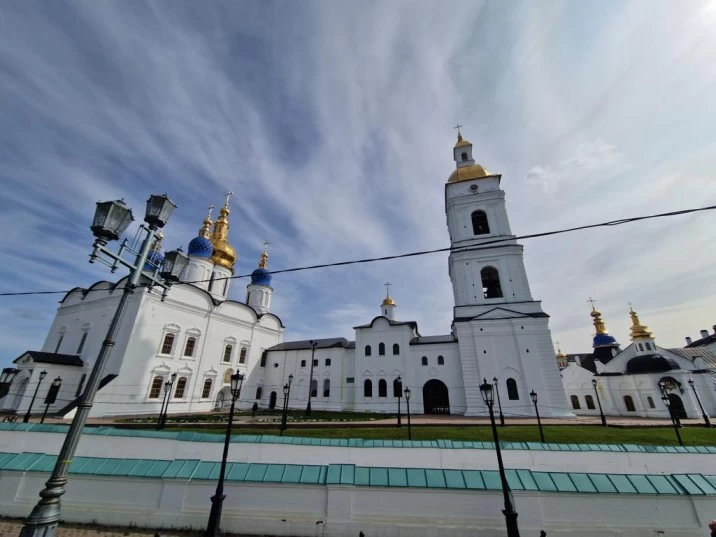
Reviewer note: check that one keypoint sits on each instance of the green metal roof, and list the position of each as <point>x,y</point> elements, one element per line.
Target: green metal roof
<point>349,474</point>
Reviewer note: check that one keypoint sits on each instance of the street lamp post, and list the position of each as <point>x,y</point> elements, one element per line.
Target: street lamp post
<point>599,402</point>
<point>110,221</point>
<point>510,514</point>
<point>707,421</point>
<point>6,377</point>
<point>533,396</point>
<point>43,374</point>
<point>399,392</point>
<point>407,404</point>
<point>286,395</point>
<point>664,387</point>
<point>51,396</point>
<point>168,385</point>
<point>310,378</point>
<point>499,403</point>
<point>217,500</point>
<point>667,402</point>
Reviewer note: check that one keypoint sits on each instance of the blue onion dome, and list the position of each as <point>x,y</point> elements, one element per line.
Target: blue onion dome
<point>604,340</point>
<point>201,246</point>
<point>261,276</point>
<point>602,337</point>
<point>155,258</point>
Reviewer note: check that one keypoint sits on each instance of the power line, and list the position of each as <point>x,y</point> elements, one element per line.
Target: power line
<point>484,246</point>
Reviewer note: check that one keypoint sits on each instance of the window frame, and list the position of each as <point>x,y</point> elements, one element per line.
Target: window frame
<point>326,387</point>
<point>367,389</point>
<point>183,387</point>
<point>396,349</point>
<point>243,354</point>
<point>589,401</point>
<point>328,362</point>
<point>154,386</point>
<point>382,388</point>
<point>513,392</point>
<point>424,361</point>
<point>576,405</point>
<point>206,389</point>
<point>441,359</point>
<point>83,340</point>
<point>193,339</point>
<point>381,349</point>
<point>230,348</point>
<point>479,218</point>
<point>486,271</point>
<point>368,351</point>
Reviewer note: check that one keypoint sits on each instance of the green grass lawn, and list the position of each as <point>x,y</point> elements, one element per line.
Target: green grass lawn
<point>266,415</point>
<point>574,434</point>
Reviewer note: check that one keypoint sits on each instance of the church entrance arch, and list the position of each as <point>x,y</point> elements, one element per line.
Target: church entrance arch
<point>21,387</point>
<point>272,401</point>
<point>435,397</point>
<point>223,398</point>
<point>677,406</point>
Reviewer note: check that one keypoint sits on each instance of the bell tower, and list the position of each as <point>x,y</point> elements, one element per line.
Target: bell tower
<point>501,330</point>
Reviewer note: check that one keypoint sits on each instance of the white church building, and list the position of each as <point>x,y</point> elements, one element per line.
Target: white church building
<point>202,336</point>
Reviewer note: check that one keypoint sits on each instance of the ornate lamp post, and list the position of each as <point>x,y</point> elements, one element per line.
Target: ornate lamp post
<point>499,403</point>
<point>310,378</point>
<point>398,392</point>
<point>217,500</point>
<point>110,221</point>
<point>707,421</point>
<point>165,403</point>
<point>51,396</point>
<point>488,396</point>
<point>286,395</point>
<point>43,374</point>
<point>665,386</point>
<point>6,377</point>
<point>667,402</point>
<point>599,402</point>
<point>533,396</point>
<point>407,404</point>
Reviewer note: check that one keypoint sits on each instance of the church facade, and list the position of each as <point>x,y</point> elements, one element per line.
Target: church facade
<point>199,337</point>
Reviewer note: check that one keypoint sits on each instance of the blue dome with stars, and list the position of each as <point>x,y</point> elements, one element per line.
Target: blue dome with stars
<point>155,259</point>
<point>261,276</point>
<point>604,340</point>
<point>201,247</point>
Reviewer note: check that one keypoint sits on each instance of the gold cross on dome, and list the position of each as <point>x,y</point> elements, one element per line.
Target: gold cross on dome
<point>211,208</point>
<point>458,127</point>
<point>266,245</point>
<point>228,195</point>
<point>387,288</point>
<point>592,301</point>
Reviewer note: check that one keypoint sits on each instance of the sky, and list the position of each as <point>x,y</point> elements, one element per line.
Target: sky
<point>332,122</point>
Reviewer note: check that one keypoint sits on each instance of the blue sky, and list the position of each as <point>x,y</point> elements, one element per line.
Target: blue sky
<point>332,123</point>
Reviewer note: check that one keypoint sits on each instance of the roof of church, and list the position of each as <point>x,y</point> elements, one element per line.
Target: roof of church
<point>412,324</point>
<point>327,343</point>
<point>427,340</point>
<point>52,358</point>
<point>711,338</point>
<point>698,352</point>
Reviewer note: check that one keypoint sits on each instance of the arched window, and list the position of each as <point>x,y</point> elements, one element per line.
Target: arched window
<point>82,343</point>
<point>397,388</point>
<point>314,388</point>
<point>424,360</point>
<point>156,388</point>
<point>181,388</point>
<point>629,403</point>
<point>479,223</point>
<point>382,388</point>
<point>441,360</point>
<point>650,401</point>
<point>590,402</point>
<point>168,344</point>
<point>512,393</point>
<point>327,388</point>
<point>206,390</point>
<point>227,376</point>
<point>464,156</point>
<point>381,349</point>
<point>259,392</point>
<point>227,353</point>
<point>575,402</point>
<point>491,287</point>
<point>396,349</point>
<point>189,347</point>
<point>641,347</point>
<point>367,388</point>
<point>242,355</point>
<point>367,350</point>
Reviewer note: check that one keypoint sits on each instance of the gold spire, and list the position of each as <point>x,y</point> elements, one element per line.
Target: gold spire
<point>224,254</point>
<point>599,325</point>
<point>388,301</point>
<point>638,330</point>
<point>263,261</point>
<point>561,357</point>
<point>466,172</point>
<point>205,230</point>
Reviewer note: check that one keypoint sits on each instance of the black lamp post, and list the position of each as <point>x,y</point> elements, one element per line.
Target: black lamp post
<point>217,500</point>
<point>310,378</point>
<point>168,385</point>
<point>707,421</point>
<point>43,374</point>
<point>398,392</point>
<point>111,219</point>
<point>533,396</point>
<point>286,395</point>
<point>510,514</point>
<point>665,387</point>
<point>499,403</point>
<point>407,404</point>
<point>6,377</point>
<point>599,402</point>
<point>51,396</point>
<point>667,402</point>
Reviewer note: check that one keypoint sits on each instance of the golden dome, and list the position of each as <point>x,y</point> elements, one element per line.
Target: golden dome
<point>224,254</point>
<point>388,301</point>
<point>599,326</point>
<point>462,142</point>
<point>638,330</point>
<point>467,173</point>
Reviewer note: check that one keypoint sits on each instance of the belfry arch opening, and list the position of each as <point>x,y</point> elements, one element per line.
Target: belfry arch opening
<point>491,287</point>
